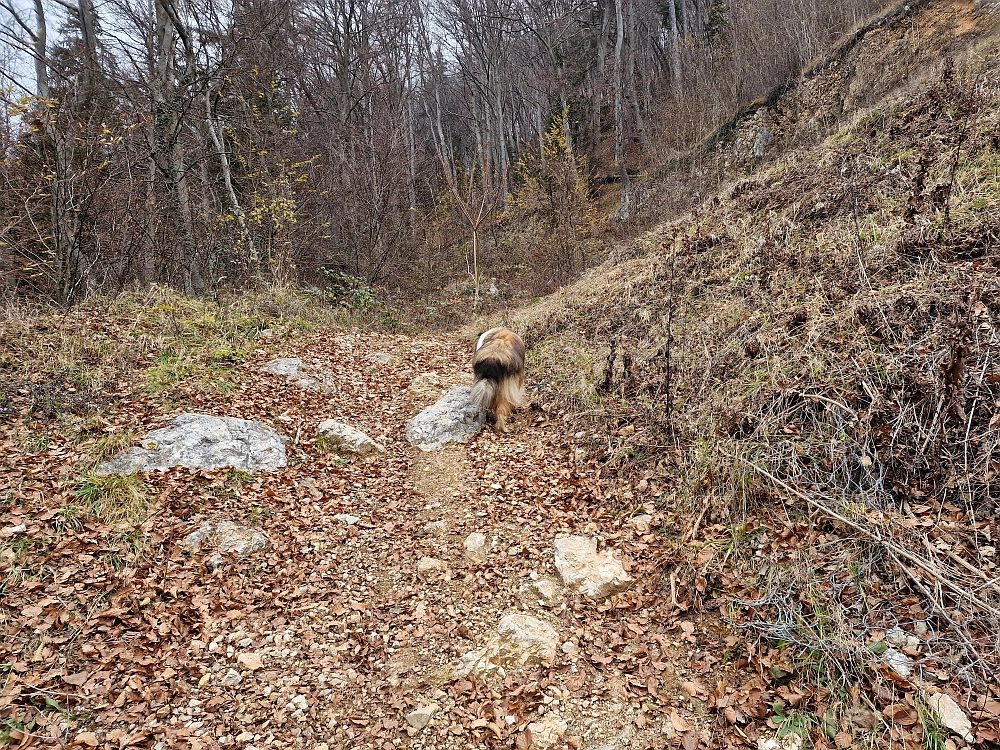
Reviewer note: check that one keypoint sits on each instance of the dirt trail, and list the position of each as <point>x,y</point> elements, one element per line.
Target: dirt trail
<point>330,638</point>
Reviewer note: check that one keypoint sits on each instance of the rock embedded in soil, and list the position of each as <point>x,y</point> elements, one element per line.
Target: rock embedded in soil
<point>548,732</point>
<point>476,547</point>
<point>430,564</point>
<point>298,373</point>
<point>421,716</point>
<point>201,441</point>
<point>435,528</point>
<point>342,438</point>
<point>546,591</point>
<point>950,715</point>
<point>583,569</point>
<point>250,661</point>
<point>520,639</point>
<point>450,420</point>
<point>346,518</point>
<point>898,662</point>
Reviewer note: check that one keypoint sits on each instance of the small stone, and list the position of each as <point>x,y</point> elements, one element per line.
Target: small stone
<point>430,564</point>
<point>898,662</point>
<point>381,358</point>
<point>195,539</point>
<point>920,628</point>
<point>215,562</point>
<point>641,523</point>
<point>579,455</point>
<point>668,731</point>
<point>343,438</point>
<point>299,703</point>
<point>346,518</point>
<point>476,547</point>
<point>420,718</point>
<point>950,715</point>
<point>19,529</point>
<point>583,569</point>
<point>545,591</point>
<point>244,737</point>
<point>435,528</point>
<point>548,732</point>
<point>520,639</point>
<point>250,661</point>
<point>239,540</point>
<point>231,678</point>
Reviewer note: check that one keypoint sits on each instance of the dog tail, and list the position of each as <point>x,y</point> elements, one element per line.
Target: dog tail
<point>482,394</point>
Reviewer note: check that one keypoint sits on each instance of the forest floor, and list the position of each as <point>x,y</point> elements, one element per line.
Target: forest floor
<point>118,635</point>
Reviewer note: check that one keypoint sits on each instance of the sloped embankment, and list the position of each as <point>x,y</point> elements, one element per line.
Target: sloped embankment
<point>810,357</point>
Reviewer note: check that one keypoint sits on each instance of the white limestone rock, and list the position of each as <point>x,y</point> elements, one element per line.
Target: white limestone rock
<point>343,438</point>
<point>451,420</point>
<point>950,715</point>
<point>201,441</point>
<point>520,639</point>
<point>583,569</point>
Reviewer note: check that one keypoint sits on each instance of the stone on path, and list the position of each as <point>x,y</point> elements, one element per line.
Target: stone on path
<point>430,564</point>
<point>950,715</point>
<point>343,438</point>
<point>250,661</point>
<point>227,537</point>
<point>450,420</point>
<point>421,716</point>
<point>435,528</point>
<point>547,732</point>
<point>545,591</point>
<point>346,518</point>
<point>476,547</point>
<point>298,373</point>
<point>583,569</point>
<point>200,441</point>
<point>520,639</point>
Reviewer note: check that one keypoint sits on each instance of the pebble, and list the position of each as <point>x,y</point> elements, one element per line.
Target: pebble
<point>232,677</point>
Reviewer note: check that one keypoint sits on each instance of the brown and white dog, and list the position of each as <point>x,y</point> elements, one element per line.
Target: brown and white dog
<point>498,363</point>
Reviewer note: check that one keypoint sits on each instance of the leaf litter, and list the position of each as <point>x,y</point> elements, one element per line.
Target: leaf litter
<point>120,635</point>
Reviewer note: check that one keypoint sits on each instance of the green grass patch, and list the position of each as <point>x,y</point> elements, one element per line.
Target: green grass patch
<point>115,498</point>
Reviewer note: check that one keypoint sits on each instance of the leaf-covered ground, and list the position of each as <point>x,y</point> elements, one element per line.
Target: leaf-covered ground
<point>119,635</point>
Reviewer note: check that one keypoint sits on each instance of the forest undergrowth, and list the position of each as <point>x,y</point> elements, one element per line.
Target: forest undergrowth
<point>807,362</point>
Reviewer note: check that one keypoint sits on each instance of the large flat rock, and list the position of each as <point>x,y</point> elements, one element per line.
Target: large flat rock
<point>200,441</point>
<point>450,420</point>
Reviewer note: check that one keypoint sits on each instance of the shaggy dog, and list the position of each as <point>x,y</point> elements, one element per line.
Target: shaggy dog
<point>498,364</point>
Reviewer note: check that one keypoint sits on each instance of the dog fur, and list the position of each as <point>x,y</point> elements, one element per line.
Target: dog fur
<point>498,363</point>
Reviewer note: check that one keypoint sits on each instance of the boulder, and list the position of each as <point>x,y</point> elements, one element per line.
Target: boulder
<point>583,569</point>
<point>343,438</point>
<point>520,639</point>
<point>450,420</point>
<point>200,441</point>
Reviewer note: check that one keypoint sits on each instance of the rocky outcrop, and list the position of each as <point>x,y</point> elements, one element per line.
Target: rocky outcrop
<point>450,420</point>
<point>200,441</point>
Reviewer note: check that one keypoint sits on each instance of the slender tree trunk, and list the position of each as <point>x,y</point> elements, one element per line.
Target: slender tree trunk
<point>619,84</point>
<point>40,44</point>
<point>675,48</point>
<point>633,93</point>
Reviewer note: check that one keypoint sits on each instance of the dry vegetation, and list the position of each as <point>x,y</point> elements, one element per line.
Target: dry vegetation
<point>809,359</point>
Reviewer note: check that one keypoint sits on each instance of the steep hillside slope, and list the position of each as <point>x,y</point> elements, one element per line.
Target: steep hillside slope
<point>808,360</point>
